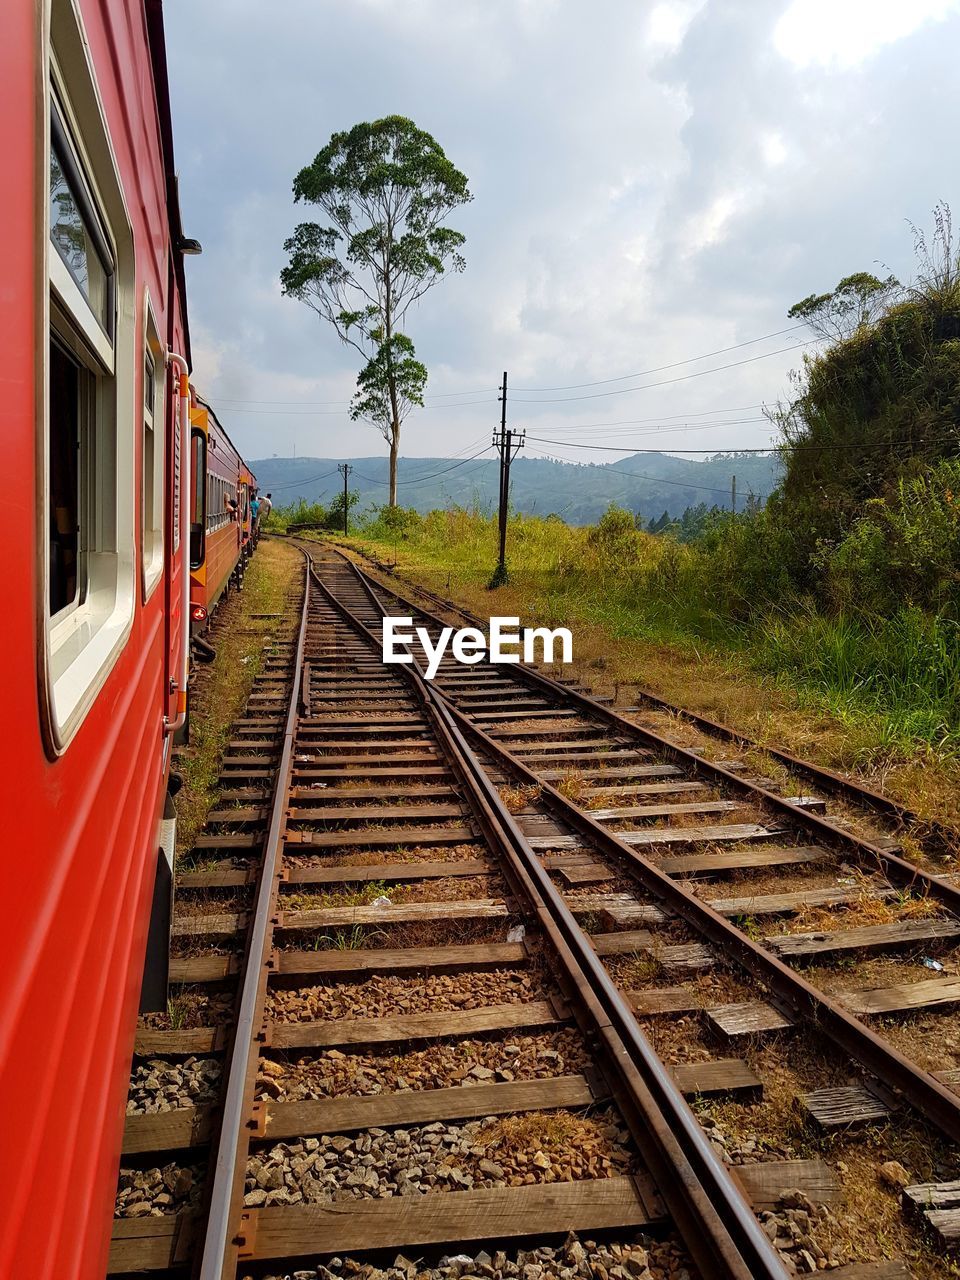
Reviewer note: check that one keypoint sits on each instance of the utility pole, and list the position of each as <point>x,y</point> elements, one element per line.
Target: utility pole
<point>344,468</point>
<point>502,508</point>
<point>733,495</point>
<point>507,443</point>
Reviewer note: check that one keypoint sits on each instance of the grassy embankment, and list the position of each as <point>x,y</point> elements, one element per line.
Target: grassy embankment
<point>221,689</point>
<point>872,694</point>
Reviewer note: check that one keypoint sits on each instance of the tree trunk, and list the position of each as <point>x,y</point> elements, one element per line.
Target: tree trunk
<point>394,450</point>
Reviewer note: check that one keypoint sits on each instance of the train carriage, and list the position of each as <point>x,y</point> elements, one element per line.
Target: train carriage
<point>96,596</point>
<point>220,522</point>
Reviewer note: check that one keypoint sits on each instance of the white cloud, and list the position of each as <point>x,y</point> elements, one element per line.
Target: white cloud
<point>847,32</point>
<point>668,22</point>
<point>773,149</point>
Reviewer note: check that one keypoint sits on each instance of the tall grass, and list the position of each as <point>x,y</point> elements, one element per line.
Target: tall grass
<point>901,672</point>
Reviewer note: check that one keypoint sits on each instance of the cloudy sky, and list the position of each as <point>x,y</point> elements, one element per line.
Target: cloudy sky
<point>654,185</point>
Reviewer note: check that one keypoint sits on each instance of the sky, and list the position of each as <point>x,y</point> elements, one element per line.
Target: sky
<point>654,185</point>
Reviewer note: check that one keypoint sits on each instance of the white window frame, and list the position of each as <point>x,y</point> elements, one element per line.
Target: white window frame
<point>153,417</point>
<point>81,643</point>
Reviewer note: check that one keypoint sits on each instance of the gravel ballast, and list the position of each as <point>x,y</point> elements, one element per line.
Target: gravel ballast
<point>143,1193</point>
<point>389,995</point>
<point>336,1074</point>
<point>159,1085</point>
<point>428,1159</point>
<point>572,1260</point>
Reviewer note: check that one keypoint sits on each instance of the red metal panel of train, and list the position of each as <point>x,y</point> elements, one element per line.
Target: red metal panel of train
<point>94,593</point>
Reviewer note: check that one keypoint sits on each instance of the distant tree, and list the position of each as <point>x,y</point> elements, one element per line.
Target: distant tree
<point>386,187</point>
<point>856,301</point>
<point>334,516</point>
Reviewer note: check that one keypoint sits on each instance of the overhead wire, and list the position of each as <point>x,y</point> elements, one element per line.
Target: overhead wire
<point>770,448</point>
<point>665,382</point>
<point>290,484</point>
<point>643,373</point>
<point>681,484</point>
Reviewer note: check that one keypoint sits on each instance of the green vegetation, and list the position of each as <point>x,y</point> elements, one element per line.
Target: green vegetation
<point>843,589</point>
<point>386,187</point>
<point>900,672</point>
<point>313,515</point>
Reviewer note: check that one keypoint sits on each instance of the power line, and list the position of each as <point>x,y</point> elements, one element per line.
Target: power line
<point>238,405</point>
<point>574,386</point>
<point>333,413</point>
<point>409,483</point>
<point>771,448</point>
<point>290,484</point>
<point>680,484</point>
<point>665,382</point>
<point>643,373</point>
<point>624,448</point>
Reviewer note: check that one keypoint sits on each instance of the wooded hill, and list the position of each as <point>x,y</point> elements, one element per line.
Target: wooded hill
<point>646,484</point>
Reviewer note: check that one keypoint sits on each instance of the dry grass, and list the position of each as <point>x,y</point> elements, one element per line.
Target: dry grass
<point>519,798</point>
<point>535,1130</point>
<point>868,1220</point>
<point>220,690</point>
<point>866,910</point>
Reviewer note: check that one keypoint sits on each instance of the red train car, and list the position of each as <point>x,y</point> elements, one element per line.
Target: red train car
<point>96,595</point>
<point>220,516</point>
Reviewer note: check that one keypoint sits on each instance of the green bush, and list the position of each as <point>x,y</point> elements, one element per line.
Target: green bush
<point>904,549</point>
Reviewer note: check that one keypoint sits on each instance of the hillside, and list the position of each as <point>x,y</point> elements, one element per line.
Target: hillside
<point>648,484</point>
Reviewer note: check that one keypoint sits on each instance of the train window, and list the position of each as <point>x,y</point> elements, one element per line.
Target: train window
<point>85,563</point>
<point>67,395</point>
<point>200,482</point>
<point>76,233</point>
<point>154,378</point>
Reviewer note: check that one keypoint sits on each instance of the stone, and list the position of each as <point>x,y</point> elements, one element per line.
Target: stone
<point>894,1175</point>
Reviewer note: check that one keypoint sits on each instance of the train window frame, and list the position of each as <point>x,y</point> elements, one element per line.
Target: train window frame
<point>82,639</point>
<point>198,464</point>
<point>153,406</point>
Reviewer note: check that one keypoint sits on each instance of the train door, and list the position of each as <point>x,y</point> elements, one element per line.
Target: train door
<point>173,587</point>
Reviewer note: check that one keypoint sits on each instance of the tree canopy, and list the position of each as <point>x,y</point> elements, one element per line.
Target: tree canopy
<point>874,414</point>
<point>856,301</point>
<point>385,189</point>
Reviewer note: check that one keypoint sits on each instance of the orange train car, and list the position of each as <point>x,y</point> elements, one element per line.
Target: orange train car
<point>221,533</point>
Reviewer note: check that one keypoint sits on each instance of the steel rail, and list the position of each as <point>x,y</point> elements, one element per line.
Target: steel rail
<point>717,1224</point>
<point>219,1249</point>
<point>935,836</point>
<point>921,1090</point>
<point>918,1088</point>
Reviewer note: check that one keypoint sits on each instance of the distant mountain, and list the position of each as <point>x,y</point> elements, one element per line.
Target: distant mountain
<point>647,484</point>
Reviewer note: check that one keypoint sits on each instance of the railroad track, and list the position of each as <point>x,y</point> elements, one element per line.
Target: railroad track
<point>669,826</point>
<point>933,838</point>
<point>881,874</point>
<point>444,953</point>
